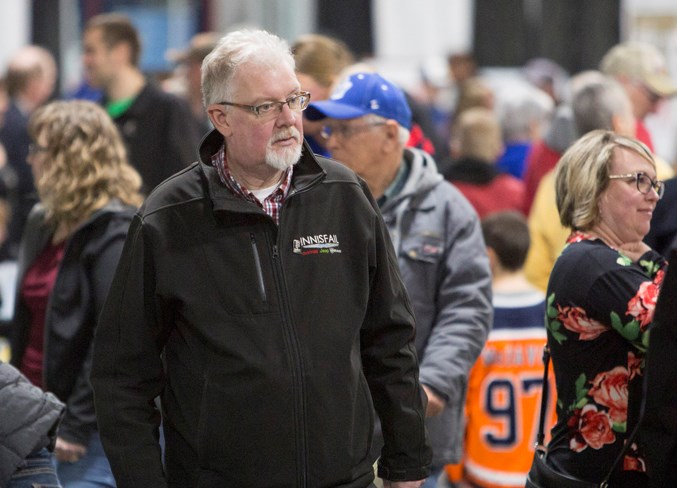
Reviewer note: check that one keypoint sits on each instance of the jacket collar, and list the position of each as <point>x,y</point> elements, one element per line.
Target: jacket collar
<point>420,178</point>
<point>306,172</point>
<point>472,171</point>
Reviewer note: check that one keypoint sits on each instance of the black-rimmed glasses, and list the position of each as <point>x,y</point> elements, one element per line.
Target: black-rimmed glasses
<point>644,183</point>
<point>297,102</point>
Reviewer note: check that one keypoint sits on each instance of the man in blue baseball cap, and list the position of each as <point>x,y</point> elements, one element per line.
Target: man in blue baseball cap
<point>437,238</point>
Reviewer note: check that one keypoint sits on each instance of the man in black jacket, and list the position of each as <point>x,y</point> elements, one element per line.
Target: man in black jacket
<point>158,129</point>
<point>259,295</point>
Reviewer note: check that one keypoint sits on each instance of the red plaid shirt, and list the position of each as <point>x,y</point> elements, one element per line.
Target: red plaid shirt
<point>272,205</point>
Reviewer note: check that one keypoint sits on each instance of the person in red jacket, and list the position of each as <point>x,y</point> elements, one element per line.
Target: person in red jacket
<point>477,144</point>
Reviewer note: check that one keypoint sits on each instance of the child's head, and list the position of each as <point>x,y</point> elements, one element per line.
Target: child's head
<point>506,236</point>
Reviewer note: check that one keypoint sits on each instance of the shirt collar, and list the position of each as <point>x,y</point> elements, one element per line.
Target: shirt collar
<point>219,161</point>
<point>397,184</point>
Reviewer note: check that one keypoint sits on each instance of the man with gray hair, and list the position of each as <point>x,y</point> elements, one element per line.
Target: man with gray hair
<point>601,103</point>
<point>524,114</point>
<point>259,295</point>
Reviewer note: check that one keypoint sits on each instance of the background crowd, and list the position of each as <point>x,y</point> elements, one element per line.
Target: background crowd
<point>479,183</point>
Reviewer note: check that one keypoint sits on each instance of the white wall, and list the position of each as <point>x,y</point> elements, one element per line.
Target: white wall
<point>286,18</point>
<point>408,33</point>
<point>15,28</point>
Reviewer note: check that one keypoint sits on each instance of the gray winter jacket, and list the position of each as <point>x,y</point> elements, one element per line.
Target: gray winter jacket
<point>437,236</point>
<point>28,420</point>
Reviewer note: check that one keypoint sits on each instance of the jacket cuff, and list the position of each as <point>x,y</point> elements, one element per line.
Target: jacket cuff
<point>402,474</point>
<point>77,435</point>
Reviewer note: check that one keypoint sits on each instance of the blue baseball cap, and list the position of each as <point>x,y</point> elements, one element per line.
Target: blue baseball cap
<point>362,94</point>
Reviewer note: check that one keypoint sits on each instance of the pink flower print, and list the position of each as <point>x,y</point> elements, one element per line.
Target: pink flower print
<point>643,304</point>
<point>576,320</point>
<point>610,389</point>
<point>590,428</point>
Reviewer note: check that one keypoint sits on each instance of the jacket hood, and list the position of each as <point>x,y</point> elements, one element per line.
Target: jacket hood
<point>474,171</point>
<point>112,208</point>
<point>423,176</point>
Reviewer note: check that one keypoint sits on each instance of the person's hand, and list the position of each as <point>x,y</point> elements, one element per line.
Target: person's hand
<point>435,403</point>
<point>68,452</point>
<point>634,250</point>
<point>403,484</point>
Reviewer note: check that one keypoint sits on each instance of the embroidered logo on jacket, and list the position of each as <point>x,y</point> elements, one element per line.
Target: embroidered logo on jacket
<point>317,244</point>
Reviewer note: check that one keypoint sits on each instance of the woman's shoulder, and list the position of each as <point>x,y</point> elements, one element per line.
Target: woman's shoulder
<point>588,252</point>
<point>580,264</point>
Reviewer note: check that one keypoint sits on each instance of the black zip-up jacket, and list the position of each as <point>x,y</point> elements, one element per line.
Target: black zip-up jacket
<point>160,134</point>
<point>267,344</point>
<point>80,289</point>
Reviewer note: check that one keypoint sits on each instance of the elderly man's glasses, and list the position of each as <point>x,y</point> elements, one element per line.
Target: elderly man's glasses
<point>346,131</point>
<point>644,183</point>
<point>297,102</point>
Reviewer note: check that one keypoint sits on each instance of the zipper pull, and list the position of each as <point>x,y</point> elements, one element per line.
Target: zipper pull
<point>275,252</point>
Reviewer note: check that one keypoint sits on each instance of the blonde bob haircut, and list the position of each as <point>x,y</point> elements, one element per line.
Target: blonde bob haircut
<point>582,175</point>
<point>85,165</point>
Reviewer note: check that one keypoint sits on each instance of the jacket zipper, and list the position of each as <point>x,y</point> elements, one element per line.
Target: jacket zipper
<point>259,270</point>
<point>297,371</point>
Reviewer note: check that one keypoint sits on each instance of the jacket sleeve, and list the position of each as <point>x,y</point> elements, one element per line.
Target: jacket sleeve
<point>464,309</point>
<point>127,373</point>
<point>28,421</point>
<point>80,418</point>
<point>391,366</point>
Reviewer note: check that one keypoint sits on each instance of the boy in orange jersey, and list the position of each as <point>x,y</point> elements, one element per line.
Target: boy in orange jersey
<point>504,387</point>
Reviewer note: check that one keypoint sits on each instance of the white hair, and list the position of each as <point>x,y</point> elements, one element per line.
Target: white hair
<point>236,48</point>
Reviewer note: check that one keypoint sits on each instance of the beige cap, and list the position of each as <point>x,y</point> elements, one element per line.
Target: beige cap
<point>640,61</point>
<point>200,45</point>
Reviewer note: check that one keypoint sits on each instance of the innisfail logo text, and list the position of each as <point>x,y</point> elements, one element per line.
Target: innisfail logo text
<point>317,244</point>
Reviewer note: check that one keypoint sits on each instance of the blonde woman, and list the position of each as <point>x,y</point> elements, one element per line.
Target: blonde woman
<point>600,305</point>
<point>70,248</point>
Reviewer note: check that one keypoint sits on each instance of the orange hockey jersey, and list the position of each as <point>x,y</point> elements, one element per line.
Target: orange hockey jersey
<point>504,396</point>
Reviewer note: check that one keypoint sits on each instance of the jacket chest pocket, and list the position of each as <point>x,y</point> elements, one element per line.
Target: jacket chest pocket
<point>422,248</point>
<point>242,275</point>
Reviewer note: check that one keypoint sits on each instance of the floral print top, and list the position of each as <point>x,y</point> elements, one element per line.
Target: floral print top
<point>599,308</point>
